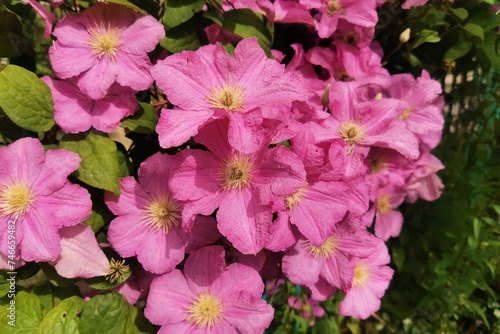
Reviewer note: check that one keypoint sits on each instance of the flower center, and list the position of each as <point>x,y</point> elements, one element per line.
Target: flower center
<point>16,198</point>
<point>117,270</point>
<point>104,40</point>
<point>351,38</point>
<point>352,133</point>
<point>205,311</point>
<point>236,172</point>
<point>406,113</point>
<point>383,204</point>
<point>162,213</point>
<point>333,7</point>
<point>227,97</point>
<point>296,198</point>
<point>325,250</point>
<point>361,274</point>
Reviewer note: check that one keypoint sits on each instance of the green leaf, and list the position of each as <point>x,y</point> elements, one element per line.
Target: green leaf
<point>99,165</point>
<point>143,121</point>
<point>459,49</point>
<point>137,323</point>
<point>461,13</point>
<point>180,38</point>
<point>4,284</point>
<point>246,23</point>
<point>9,132</point>
<point>12,41</point>
<point>491,48</point>
<point>28,314</point>
<point>477,228</point>
<point>26,99</point>
<point>426,36</point>
<point>104,314</point>
<point>62,319</point>
<point>177,12</point>
<point>475,30</point>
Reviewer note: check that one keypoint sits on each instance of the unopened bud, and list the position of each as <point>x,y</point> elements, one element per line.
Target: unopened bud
<point>405,36</point>
<point>325,97</point>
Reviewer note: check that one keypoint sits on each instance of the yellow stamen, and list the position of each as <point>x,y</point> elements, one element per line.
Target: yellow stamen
<point>236,172</point>
<point>117,270</point>
<point>333,7</point>
<point>325,251</point>
<point>104,40</point>
<point>162,213</point>
<point>361,274</point>
<point>406,113</point>
<point>352,133</point>
<point>384,204</point>
<point>15,198</point>
<point>296,198</point>
<point>205,311</point>
<point>227,97</point>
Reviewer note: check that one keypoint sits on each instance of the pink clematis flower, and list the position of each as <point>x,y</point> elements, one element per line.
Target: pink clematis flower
<point>360,12</point>
<point>329,261</point>
<point>149,218</point>
<point>422,106</point>
<point>36,194</point>
<point>242,186</point>
<point>104,44</point>
<point>209,84</point>
<point>371,279</point>
<point>388,221</point>
<point>208,297</point>
<point>424,183</point>
<point>413,3</point>
<point>74,112</point>
<point>354,127</point>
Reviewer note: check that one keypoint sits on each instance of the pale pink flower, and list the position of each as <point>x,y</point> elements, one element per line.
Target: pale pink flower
<point>149,218</point>
<point>80,256</point>
<point>209,84</point>
<point>371,279</point>
<point>104,44</point>
<point>36,194</point>
<point>209,297</point>
<point>75,112</point>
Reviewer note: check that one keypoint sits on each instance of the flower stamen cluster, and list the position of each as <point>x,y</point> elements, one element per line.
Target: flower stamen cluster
<point>15,198</point>
<point>205,311</point>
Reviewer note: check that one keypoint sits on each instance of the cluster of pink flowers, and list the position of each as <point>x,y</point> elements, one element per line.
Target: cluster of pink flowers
<point>298,162</point>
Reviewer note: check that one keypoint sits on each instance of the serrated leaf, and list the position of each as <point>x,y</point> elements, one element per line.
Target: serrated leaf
<point>104,314</point>
<point>26,99</point>
<point>475,30</point>
<point>99,164</point>
<point>28,314</point>
<point>143,121</point>
<point>180,38</point>
<point>62,319</point>
<point>245,23</point>
<point>461,13</point>
<point>177,12</point>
